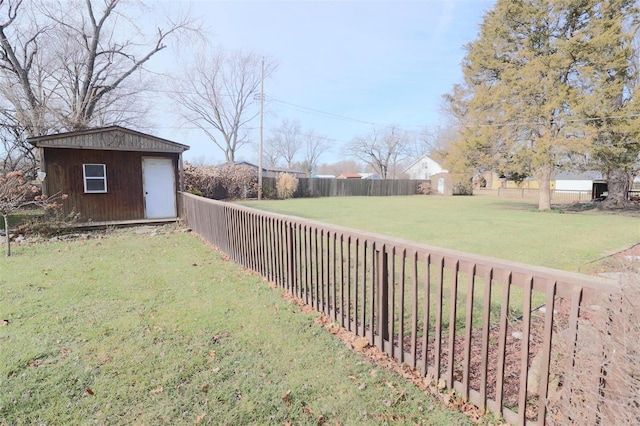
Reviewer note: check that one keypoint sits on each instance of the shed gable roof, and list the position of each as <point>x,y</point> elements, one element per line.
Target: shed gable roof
<point>114,138</point>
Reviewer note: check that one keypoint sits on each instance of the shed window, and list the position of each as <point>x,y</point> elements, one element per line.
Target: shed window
<point>95,178</point>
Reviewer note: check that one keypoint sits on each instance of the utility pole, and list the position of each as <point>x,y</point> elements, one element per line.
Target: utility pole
<point>261,129</point>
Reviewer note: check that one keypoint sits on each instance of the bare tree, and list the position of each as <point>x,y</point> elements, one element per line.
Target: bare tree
<point>70,65</point>
<point>217,95</point>
<point>285,142</point>
<point>336,169</point>
<point>15,152</point>
<point>382,150</point>
<point>19,43</point>
<point>95,58</point>
<point>294,148</point>
<point>313,146</point>
<point>270,155</point>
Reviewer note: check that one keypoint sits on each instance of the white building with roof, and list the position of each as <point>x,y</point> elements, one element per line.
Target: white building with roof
<point>576,181</point>
<point>423,168</point>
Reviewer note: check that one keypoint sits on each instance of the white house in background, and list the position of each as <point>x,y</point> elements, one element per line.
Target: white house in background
<point>423,168</point>
<point>576,181</point>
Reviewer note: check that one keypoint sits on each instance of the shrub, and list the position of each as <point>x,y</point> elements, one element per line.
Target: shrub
<point>268,191</point>
<point>51,223</point>
<point>202,180</point>
<point>221,182</point>
<point>239,182</point>
<point>424,188</point>
<point>286,186</point>
<point>17,192</point>
<point>463,188</point>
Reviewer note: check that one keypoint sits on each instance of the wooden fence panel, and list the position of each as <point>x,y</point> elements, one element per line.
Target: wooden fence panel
<point>322,187</point>
<point>448,314</point>
<point>557,196</point>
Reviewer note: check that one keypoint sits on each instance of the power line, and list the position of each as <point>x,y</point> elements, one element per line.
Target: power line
<point>328,114</point>
<point>248,128</point>
<point>306,109</point>
<point>309,110</point>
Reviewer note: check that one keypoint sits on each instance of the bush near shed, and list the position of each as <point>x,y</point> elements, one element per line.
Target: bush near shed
<point>16,193</point>
<point>233,182</point>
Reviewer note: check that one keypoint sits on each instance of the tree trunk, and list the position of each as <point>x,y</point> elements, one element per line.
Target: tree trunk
<point>6,231</point>
<point>543,175</point>
<point>618,190</point>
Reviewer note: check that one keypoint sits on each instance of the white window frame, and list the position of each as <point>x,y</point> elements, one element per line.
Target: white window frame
<point>102,178</point>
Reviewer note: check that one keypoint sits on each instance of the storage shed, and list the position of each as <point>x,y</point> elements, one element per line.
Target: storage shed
<point>112,174</point>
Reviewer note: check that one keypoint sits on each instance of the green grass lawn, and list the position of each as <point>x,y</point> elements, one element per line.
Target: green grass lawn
<point>502,228</point>
<point>142,329</point>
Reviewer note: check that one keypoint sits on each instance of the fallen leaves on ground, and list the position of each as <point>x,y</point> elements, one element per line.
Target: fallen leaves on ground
<point>287,397</point>
<point>159,389</point>
<point>434,388</point>
<point>219,337</point>
<point>360,344</point>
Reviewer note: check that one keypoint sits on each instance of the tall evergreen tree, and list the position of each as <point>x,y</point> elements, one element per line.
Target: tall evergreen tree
<point>608,84</point>
<point>544,86</point>
<point>519,72</point>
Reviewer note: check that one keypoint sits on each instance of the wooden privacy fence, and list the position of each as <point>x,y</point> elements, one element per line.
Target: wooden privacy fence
<point>497,332</point>
<point>557,196</point>
<point>322,187</point>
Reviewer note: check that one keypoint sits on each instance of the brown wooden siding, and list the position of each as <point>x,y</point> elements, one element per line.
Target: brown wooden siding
<point>124,199</point>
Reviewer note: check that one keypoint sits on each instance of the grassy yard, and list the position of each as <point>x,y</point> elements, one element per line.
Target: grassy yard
<point>143,329</point>
<point>502,228</point>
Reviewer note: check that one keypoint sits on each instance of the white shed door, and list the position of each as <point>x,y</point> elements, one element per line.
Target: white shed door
<point>159,188</point>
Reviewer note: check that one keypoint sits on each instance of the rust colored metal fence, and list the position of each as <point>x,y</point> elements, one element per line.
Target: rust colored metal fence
<point>495,331</point>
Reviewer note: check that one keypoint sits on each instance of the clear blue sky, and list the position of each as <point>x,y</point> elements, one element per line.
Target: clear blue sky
<point>381,62</point>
